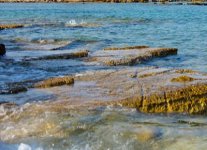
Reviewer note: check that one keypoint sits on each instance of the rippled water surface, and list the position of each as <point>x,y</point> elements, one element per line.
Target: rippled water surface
<point>72,27</point>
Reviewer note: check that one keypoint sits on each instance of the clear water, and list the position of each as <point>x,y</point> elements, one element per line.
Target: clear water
<point>95,26</point>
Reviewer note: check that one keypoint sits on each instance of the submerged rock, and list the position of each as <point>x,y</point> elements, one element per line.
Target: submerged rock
<point>146,134</point>
<point>15,89</point>
<point>42,44</point>
<point>130,55</point>
<point>2,50</point>
<point>10,26</point>
<point>6,108</point>
<point>7,104</point>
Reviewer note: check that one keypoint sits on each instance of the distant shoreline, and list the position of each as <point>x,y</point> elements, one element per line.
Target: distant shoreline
<point>106,1</point>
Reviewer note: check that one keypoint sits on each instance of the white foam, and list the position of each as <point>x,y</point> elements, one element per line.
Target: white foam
<point>71,23</point>
<point>23,146</point>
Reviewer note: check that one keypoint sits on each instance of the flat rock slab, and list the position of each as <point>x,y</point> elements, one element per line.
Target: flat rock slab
<point>72,55</point>
<point>129,55</point>
<point>152,90</point>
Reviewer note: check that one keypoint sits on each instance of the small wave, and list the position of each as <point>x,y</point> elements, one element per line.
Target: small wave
<point>23,146</point>
<point>42,44</point>
<point>81,24</point>
<point>126,20</point>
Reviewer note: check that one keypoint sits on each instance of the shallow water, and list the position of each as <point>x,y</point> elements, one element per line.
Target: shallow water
<point>72,27</point>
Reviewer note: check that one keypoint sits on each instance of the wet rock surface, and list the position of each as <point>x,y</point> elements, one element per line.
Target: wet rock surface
<point>154,93</point>
<point>72,55</point>
<point>151,90</point>
<point>129,55</point>
<point>148,89</point>
<point>145,89</point>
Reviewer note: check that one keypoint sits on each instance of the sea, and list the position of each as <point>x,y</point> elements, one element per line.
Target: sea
<point>54,28</point>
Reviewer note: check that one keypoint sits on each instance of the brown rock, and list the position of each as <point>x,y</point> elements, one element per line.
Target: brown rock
<point>154,93</point>
<point>150,90</point>
<point>10,26</point>
<point>55,82</point>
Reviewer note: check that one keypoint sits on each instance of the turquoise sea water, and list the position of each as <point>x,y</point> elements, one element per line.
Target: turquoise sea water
<point>183,27</point>
<point>95,26</point>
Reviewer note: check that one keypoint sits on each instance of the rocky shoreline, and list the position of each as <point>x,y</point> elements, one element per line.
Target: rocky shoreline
<point>113,80</point>
<point>152,90</point>
<point>147,89</point>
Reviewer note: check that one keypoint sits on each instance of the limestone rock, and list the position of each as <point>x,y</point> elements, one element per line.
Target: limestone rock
<point>150,90</point>
<point>130,55</point>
